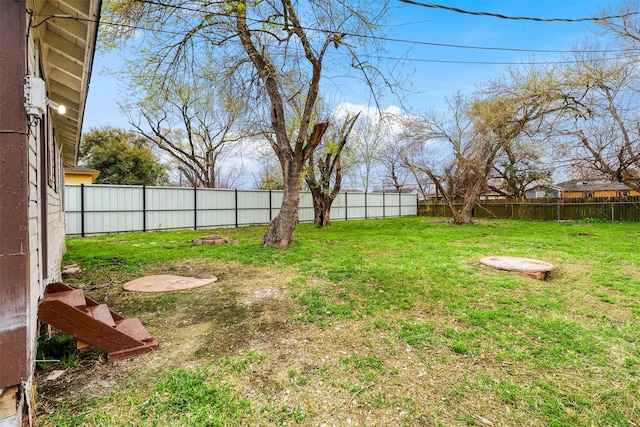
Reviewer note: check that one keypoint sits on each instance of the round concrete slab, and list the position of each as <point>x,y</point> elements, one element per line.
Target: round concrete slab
<point>517,264</point>
<point>166,283</point>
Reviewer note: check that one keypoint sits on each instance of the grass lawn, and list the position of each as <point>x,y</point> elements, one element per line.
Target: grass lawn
<point>366,323</point>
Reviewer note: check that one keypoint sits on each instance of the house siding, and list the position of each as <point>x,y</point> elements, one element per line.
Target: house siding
<point>596,193</point>
<point>15,257</point>
<point>31,185</point>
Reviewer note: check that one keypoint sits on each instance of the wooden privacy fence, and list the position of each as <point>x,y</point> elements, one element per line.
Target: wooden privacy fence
<point>604,209</point>
<point>95,209</point>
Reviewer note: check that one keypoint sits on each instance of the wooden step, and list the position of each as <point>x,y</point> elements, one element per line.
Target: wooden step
<point>68,309</point>
<point>73,298</point>
<point>102,313</point>
<point>147,347</point>
<point>134,328</point>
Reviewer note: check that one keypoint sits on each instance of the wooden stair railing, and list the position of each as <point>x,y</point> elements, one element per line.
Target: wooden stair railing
<point>71,311</point>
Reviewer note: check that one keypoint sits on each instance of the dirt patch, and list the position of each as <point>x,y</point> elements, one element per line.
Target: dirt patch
<point>247,308</point>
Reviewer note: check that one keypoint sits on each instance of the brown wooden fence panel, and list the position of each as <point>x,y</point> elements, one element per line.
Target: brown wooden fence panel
<point>602,209</point>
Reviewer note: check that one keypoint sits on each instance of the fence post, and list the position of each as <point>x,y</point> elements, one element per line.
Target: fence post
<point>82,210</point>
<point>558,210</point>
<point>384,205</point>
<point>346,207</point>
<point>144,208</point>
<point>270,207</point>
<point>195,208</point>
<point>236,191</point>
<point>399,203</point>
<point>365,206</point>
<point>612,212</point>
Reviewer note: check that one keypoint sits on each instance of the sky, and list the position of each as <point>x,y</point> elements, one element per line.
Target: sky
<point>486,47</point>
<point>431,73</point>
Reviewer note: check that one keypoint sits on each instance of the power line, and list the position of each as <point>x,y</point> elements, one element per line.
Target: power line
<point>452,61</point>
<point>505,49</point>
<point>372,37</point>
<point>418,42</point>
<point>500,49</point>
<point>517,18</point>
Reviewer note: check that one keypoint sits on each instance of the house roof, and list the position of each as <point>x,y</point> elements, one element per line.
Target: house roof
<point>67,32</point>
<point>592,185</point>
<point>82,170</point>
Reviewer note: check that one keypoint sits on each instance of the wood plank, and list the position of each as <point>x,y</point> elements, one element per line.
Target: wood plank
<point>133,351</point>
<point>73,298</point>
<point>9,402</point>
<point>102,313</point>
<point>134,328</point>
<point>84,327</point>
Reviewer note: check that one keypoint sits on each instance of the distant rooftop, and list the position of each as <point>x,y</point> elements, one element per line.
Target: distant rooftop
<point>598,184</point>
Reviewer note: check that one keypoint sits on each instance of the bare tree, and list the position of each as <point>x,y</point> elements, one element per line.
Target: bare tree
<point>455,157</point>
<point>394,174</point>
<point>366,143</point>
<point>276,54</point>
<point>606,122</point>
<point>190,118</point>
<point>482,128</point>
<point>324,171</point>
<point>518,167</point>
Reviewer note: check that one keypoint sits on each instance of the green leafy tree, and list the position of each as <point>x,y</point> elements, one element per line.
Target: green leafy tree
<point>122,157</point>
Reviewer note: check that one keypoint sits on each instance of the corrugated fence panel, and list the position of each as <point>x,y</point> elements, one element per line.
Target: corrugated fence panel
<point>356,203</point>
<point>375,205</point>
<point>94,209</point>
<point>276,201</point>
<point>409,205</point>
<point>170,208</point>
<point>254,207</point>
<point>216,208</point>
<point>338,209</point>
<point>72,208</point>
<point>112,209</point>
<point>305,208</point>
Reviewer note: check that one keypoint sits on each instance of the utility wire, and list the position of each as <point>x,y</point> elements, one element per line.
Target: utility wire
<point>386,39</point>
<point>517,18</point>
<point>370,37</point>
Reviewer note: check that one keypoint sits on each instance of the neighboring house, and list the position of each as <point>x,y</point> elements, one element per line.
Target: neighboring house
<point>491,195</point>
<point>588,188</point>
<point>80,175</point>
<point>46,54</point>
<point>543,192</point>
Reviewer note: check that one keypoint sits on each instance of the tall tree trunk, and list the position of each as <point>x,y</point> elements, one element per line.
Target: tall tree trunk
<point>465,214</point>
<point>319,205</point>
<point>280,230</point>
<point>326,217</point>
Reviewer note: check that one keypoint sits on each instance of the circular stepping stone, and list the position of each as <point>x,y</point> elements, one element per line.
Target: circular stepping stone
<point>531,267</point>
<point>166,283</point>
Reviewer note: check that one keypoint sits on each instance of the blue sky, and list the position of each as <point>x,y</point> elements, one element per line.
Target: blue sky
<point>431,81</point>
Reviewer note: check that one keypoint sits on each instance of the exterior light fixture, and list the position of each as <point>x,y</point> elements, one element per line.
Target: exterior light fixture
<point>61,109</point>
